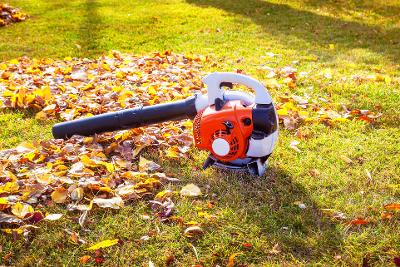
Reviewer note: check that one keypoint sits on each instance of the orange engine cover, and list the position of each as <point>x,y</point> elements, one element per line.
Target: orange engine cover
<point>225,133</point>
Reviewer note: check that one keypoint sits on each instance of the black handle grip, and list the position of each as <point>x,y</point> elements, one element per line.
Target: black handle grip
<point>127,119</point>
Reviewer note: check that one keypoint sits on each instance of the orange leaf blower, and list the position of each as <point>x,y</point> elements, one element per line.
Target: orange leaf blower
<point>239,130</point>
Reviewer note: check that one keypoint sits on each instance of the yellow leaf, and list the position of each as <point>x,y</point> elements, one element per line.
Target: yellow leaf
<point>109,166</point>
<point>104,244</point>
<point>59,195</point>
<point>172,152</point>
<point>105,66</point>
<point>25,147</point>
<point>18,231</point>
<point>163,194</point>
<point>188,124</point>
<point>282,112</point>
<point>21,210</point>
<point>31,155</point>
<point>88,161</point>
<point>331,46</point>
<point>151,90</point>
<point>44,179</point>
<point>340,119</point>
<point>4,203</point>
<point>14,61</point>
<point>231,261</point>
<point>9,187</point>
<point>88,86</point>
<point>120,75</point>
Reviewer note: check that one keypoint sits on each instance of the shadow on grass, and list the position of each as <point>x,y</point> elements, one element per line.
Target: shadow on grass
<point>89,31</point>
<point>384,10</point>
<point>271,205</point>
<point>289,24</point>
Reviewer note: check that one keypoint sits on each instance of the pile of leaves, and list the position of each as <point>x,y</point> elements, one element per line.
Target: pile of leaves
<point>79,173</point>
<point>9,14</point>
<point>71,88</point>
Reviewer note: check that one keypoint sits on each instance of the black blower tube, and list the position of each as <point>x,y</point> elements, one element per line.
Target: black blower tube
<point>127,119</point>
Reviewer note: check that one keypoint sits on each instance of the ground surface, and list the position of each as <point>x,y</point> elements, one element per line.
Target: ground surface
<point>344,38</point>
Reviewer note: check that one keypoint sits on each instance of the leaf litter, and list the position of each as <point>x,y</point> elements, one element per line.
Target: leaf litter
<point>9,15</point>
<point>102,169</point>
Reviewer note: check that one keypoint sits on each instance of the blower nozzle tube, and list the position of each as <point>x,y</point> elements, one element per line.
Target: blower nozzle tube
<point>127,119</point>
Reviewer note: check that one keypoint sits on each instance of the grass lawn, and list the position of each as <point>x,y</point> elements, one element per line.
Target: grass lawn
<point>344,38</point>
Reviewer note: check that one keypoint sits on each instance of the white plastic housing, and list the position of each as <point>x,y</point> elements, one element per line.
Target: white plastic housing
<point>214,80</point>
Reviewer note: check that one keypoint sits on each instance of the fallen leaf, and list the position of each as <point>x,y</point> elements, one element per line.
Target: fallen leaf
<point>77,194</point>
<point>396,261</point>
<point>275,250</point>
<point>293,145</point>
<point>346,159</point>
<point>147,165</point>
<point>21,210</point>
<point>247,245</point>
<point>25,147</point>
<point>392,206</point>
<point>358,221</point>
<point>231,260</point>
<point>53,217</point>
<point>85,259</point>
<point>59,195</point>
<point>386,215</point>
<point>193,231</point>
<point>104,244</point>
<point>114,203</point>
<point>190,190</point>
<point>314,173</point>
<point>10,219</point>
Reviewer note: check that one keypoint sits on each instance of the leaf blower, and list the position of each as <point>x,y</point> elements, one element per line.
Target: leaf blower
<point>238,129</point>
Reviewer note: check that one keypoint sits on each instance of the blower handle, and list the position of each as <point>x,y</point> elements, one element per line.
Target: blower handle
<point>127,119</point>
<point>214,81</point>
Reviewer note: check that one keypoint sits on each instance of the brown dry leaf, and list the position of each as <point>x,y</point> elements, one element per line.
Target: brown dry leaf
<point>314,173</point>
<point>147,165</point>
<point>275,250</point>
<point>85,259</point>
<point>386,215</point>
<point>59,195</point>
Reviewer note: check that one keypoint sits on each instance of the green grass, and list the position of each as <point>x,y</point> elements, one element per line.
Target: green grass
<point>260,211</point>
